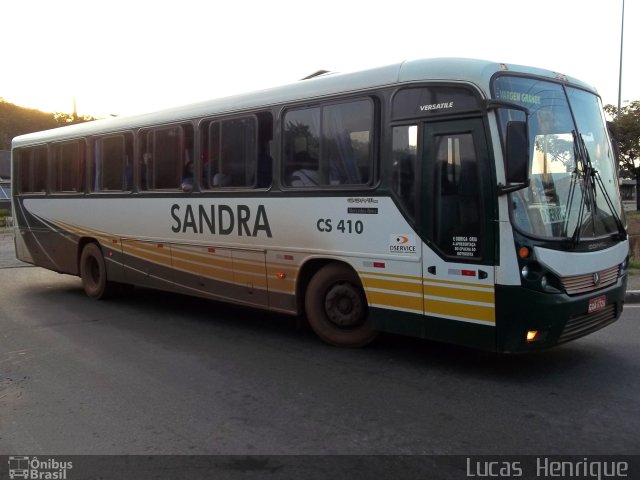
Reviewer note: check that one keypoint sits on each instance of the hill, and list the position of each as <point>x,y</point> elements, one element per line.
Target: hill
<point>16,120</point>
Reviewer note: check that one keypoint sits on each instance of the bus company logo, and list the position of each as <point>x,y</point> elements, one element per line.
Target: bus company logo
<point>435,106</point>
<point>402,243</point>
<point>36,469</point>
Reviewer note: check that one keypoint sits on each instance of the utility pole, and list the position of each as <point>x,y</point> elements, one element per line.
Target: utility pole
<point>620,71</point>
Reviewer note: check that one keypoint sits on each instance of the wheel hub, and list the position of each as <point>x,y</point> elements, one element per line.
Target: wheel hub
<point>344,306</point>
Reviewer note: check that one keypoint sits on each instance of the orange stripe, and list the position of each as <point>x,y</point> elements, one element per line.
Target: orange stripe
<point>471,312</point>
<point>405,287</point>
<point>394,300</point>
<point>460,294</point>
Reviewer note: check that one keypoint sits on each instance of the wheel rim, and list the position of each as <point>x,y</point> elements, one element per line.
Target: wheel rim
<point>343,305</point>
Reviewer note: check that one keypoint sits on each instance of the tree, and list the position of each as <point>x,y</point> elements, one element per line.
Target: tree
<point>625,130</point>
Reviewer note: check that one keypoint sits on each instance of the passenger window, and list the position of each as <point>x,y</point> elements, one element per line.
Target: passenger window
<point>167,158</point>
<point>302,148</point>
<point>111,168</point>
<point>33,170</point>
<point>232,154</point>
<point>329,145</point>
<point>404,166</point>
<point>40,169</point>
<point>68,167</point>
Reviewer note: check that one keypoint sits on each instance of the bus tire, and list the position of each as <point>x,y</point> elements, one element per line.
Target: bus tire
<point>336,307</point>
<point>93,273</point>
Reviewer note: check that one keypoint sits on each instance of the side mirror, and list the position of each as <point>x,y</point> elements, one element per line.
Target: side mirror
<point>517,153</point>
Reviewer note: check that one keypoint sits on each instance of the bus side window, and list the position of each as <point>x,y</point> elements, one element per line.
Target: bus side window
<point>265,161</point>
<point>40,169</point>
<point>232,153</point>
<point>166,150</point>
<point>110,167</point>
<point>68,167</point>
<point>329,145</point>
<point>167,153</point>
<point>302,148</point>
<point>404,163</point>
<point>33,170</point>
<point>346,142</point>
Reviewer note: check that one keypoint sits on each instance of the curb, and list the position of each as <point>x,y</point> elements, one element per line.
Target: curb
<point>632,296</point>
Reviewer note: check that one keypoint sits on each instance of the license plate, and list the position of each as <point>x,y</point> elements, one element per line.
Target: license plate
<point>596,304</point>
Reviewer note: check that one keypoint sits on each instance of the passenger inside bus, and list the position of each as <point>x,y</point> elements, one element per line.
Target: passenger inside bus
<point>221,179</point>
<point>305,177</point>
<point>187,180</point>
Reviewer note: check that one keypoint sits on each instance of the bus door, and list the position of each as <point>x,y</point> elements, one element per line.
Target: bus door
<point>456,219</point>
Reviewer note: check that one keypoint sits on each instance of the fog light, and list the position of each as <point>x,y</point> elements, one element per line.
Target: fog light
<point>525,272</point>
<point>532,335</point>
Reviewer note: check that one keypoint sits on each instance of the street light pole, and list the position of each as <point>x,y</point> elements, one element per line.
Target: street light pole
<point>620,74</point>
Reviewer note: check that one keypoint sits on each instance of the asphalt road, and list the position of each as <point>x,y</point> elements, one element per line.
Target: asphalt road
<point>155,373</point>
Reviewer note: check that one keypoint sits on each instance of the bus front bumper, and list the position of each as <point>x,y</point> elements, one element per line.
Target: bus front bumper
<point>529,320</point>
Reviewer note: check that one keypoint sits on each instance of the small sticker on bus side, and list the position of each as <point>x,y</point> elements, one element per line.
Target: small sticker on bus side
<point>362,211</point>
<point>402,243</point>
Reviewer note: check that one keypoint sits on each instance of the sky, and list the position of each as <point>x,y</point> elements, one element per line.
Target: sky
<point>125,57</point>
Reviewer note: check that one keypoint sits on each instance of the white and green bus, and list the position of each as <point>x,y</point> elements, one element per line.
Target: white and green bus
<point>458,200</point>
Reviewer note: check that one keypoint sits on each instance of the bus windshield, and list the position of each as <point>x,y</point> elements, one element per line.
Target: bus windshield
<point>573,192</point>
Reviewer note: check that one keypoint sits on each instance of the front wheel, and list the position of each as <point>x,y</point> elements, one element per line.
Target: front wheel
<point>336,307</point>
<point>93,273</point>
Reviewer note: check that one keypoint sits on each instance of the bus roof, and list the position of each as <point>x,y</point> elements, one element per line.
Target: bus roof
<point>472,71</point>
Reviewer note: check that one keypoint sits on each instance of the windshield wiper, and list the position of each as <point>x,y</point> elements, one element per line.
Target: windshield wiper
<point>581,166</point>
<point>597,180</point>
<point>591,178</point>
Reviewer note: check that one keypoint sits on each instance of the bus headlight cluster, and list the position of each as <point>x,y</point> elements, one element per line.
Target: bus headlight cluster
<point>623,266</point>
<point>532,271</point>
<point>535,276</point>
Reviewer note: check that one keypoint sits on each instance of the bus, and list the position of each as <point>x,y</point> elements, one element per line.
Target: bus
<point>457,200</point>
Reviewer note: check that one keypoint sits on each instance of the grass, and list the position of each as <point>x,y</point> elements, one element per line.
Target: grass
<point>4,213</point>
<point>634,265</point>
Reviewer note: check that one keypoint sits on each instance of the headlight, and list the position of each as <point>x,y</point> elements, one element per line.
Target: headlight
<point>624,265</point>
<point>525,272</point>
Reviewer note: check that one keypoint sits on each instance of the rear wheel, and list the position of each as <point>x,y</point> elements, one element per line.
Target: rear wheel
<point>336,307</point>
<point>93,272</point>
